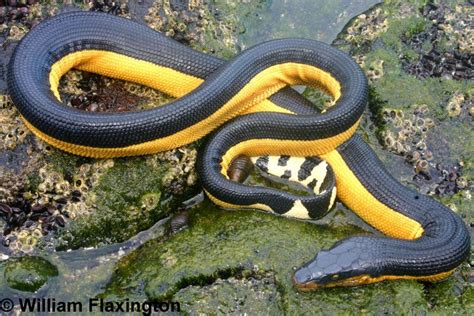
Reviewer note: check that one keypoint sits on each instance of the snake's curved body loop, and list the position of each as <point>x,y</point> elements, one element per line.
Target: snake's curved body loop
<point>258,114</point>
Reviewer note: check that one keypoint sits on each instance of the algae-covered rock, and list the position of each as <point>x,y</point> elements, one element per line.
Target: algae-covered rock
<point>420,94</point>
<point>28,274</point>
<point>243,261</point>
<point>216,246</point>
<point>255,294</point>
<point>130,197</point>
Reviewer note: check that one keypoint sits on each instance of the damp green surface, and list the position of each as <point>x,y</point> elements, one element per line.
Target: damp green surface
<point>251,269</point>
<point>28,274</point>
<point>117,242</point>
<point>265,20</point>
<point>128,195</point>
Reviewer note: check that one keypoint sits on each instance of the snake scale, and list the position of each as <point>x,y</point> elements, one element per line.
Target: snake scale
<point>248,108</point>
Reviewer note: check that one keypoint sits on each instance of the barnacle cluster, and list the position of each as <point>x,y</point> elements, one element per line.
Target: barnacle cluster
<point>24,240</point>
<point>182,22</point>
<point>38,205</point>
<point>78,188</point>
<point>12,130</point>
<point>192,23</point>
<point>460,104</point>
<point>11,185</point>
<point>406,136</point>
<point>360,60</point>
<point>18,17</point>
<point>444,179</point>
<point>366,27</point>
<point>95,93</point>
<point>446,47</point>
<point>458,28</point>
<point>454,105</point>
<point>115,7</point>
<point>375,70</point>
<point>181,172</point>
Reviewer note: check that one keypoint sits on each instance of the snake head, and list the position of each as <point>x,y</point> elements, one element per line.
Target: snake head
<point>347,263</point>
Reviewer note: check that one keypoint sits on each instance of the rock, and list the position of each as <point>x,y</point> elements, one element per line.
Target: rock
<point>28,274</point>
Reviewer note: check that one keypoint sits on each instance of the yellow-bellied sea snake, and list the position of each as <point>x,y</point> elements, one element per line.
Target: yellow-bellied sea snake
<point>247,104</point>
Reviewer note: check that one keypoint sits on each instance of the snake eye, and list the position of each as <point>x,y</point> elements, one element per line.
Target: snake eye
<point>302,276</point>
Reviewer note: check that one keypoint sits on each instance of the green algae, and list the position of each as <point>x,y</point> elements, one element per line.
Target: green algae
<point>264,20</point>
<point>28,274</point>
<point>127,196</point>
<point>216,246</point>
<point>255,294</point>
<point>233,251</point>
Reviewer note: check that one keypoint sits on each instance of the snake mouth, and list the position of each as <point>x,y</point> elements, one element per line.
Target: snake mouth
<point>303,280</point>
<point>305,286</point>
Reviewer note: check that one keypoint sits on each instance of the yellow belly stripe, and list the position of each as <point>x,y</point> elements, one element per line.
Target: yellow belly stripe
<point>353,194</point>
<point>258,206</point>
<point>367,279</point>
<point>113,65</point>
<point>302,148</point>
<point>175,83</point>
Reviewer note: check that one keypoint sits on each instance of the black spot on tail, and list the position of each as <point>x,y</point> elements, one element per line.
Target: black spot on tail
<point>286,175</point>
<point>283,160</point>
<point>262,163</point>
<point>312,184</point>
<point>307,166</point>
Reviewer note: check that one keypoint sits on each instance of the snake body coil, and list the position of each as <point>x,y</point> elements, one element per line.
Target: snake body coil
<point>249,94</point>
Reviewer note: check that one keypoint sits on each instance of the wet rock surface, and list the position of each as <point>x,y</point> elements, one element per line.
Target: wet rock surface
<point>50,199</point>
<point>28,274</point>
<point>215,264</point>
<point>445,46</point>
<point>418,58</point>
<point>425,120</point>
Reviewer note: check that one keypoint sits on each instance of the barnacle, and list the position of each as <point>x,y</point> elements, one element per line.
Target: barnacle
<point>181,162</point>
<point>193,23</point>
<point>454,105</point>
<point>375,70</point>
<point>367,27</point>
<point>150,201</point>
<point>12,130</point>
<point>422,166</point>
<point>461,182</point>
<point>414,156</point>
<point>389,140</point>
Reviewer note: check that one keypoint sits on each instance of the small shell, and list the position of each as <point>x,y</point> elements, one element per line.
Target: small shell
<point>178,222</point>
<point>422,166</point>
<point>240,169</point>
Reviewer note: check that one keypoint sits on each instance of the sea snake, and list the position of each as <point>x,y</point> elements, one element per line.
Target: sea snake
<point>248,108</point>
